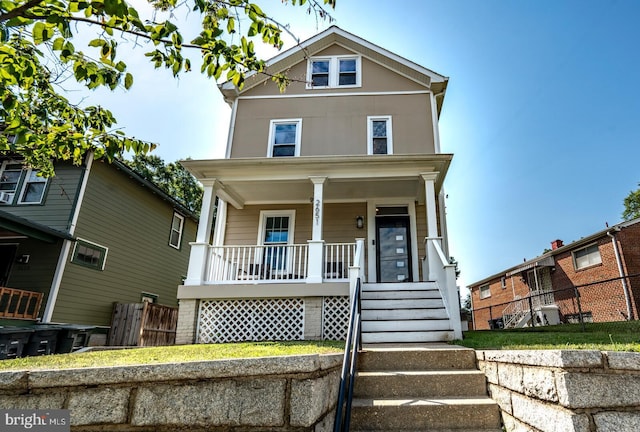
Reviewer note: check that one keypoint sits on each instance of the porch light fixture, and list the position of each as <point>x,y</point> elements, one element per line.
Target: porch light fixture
<point>359,222</point>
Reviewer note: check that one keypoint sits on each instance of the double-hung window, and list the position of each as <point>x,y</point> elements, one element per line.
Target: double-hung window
<point>177,225</point>
<point>586,257</point>
<point>15,179</point>
<point>485,291</point>
<point>335,71</point>
<point>379,139</point>
<point>284,138</point>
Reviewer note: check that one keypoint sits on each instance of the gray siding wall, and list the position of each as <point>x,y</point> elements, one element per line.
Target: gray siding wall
<point>134,224</point>
<point>55,210</point>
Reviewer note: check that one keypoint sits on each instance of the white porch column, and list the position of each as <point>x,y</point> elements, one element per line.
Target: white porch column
<point>199,248</point>
<point>430,202</point>
<point>316,244</point>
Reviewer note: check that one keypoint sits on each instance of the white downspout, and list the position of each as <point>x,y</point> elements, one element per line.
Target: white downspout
<point>66,244</point>
<point>232,127</point>
<point>625,288</point>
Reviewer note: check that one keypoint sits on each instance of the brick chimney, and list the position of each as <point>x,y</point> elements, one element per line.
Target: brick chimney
<point>556,244</point>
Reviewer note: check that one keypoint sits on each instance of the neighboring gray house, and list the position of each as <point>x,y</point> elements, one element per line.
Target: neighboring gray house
<point>92,235</point>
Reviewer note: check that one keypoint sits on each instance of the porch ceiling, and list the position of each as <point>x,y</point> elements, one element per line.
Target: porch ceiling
<point>349,178</point>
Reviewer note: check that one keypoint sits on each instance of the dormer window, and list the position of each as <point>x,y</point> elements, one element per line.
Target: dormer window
<point>336,71</point>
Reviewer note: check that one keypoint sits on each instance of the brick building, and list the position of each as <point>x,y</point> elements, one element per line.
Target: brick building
<point>602,265</point>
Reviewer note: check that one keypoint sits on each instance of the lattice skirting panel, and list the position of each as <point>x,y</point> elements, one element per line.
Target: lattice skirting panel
<point>250,320</point>
<point>335,317</point>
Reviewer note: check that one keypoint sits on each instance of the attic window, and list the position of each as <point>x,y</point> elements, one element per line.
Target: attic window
<point>335,71</point>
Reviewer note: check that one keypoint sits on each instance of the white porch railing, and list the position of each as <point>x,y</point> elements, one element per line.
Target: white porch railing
<point>338,257</point>
<point>437,267</point>
<point>518,311</point>
<point>275,263</point>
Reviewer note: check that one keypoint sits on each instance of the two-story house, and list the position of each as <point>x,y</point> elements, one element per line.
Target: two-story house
<point>601,270</point>
<point>336,178</point>
<point>73,244</point>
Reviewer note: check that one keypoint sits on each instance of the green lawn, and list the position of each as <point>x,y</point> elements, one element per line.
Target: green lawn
<point>618,336</point>
<point>171,354</point>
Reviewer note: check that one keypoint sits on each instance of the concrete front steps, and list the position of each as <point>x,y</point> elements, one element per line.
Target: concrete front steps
<point>410,312</point>
<point>419,388</point>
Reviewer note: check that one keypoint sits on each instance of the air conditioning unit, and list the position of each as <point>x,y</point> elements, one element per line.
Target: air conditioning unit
<point>5,197</point>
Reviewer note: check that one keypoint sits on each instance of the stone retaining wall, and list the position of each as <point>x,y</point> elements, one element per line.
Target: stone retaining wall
<point>294,393</point>
<point>582,391</point>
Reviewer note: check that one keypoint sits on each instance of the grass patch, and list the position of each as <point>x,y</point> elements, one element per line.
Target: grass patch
<point>171,354</point>
<point>618,336</point>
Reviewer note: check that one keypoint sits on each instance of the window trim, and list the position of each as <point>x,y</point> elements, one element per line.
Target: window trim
<point>503,282</point>
<point>13,193</point>
<point>25,183</point>
<point>487,291</point>
<point>180,233</point>
<point>262,225</point>
<point>103,256</point>
<point>370,120</point>
<point>272,135</point>
<point>334,71</point>
<point>575,262</point>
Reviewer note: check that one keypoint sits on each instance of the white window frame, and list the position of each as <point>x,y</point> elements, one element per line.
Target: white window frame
<point>180,232</point>
<point>486,293</point>
<point>262,225</point>
<point>370,120</point>
<point>13,192</point>
<point>95,246</point>
<point>272,135</point>
<point>590,264</point>
<point>25,184</point>
<point>334,71</point>
<point>503,282</point>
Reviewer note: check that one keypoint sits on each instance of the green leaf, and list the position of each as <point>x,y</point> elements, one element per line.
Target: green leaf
<point>128,81</point>
<point>37,32</point>
<point>58,44</point>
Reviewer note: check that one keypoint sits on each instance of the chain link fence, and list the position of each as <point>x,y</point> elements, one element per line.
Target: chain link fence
<point>606,301</point>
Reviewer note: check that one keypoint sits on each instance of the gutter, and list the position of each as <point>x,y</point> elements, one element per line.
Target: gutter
<point>612,233</point>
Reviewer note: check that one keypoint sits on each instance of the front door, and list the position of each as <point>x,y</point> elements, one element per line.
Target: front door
<point>393,249</point>
<point>7,257</point>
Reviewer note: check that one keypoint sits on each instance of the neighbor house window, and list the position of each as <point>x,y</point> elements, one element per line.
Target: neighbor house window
<point>485,291</point>
<point>284,138</point>
<point>177,225</point>
<point>586,257</point>
<point>503,282</point>
<point>33,188</point>
<point>379,135</point>
<point>89,254</point>
<point>15,177</point>
<point>335,71</point>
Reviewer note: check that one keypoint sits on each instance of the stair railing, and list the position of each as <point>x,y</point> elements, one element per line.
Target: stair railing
<point>348,374</point>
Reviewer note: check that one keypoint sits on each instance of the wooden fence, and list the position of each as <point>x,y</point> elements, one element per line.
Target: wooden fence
<point>19,304</point>
<point>142,324</point>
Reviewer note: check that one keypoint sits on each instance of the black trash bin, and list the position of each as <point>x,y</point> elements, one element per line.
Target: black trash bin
<point>73,337</point>
<point>13,341</point>
<point>43,340</point>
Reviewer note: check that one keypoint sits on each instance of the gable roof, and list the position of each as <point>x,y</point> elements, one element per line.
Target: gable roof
<point>335,35</point>
<point>546,259</point>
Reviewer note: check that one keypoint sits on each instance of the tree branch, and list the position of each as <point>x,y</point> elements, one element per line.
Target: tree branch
<point>19,10</point>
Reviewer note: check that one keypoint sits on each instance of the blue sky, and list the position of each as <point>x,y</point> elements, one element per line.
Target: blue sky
<point>541,112</point>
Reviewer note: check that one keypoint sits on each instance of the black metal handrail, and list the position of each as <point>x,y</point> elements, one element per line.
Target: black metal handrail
<point>348,374</point>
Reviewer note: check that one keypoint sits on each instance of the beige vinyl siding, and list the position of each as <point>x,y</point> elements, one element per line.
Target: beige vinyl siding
<point>134,224</point>
<point>339,223</point>
<point>335,125</point>
<point>375,78</point>
<point>56,207</point>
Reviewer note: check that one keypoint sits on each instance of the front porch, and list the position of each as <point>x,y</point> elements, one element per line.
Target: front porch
<point>292,236</point>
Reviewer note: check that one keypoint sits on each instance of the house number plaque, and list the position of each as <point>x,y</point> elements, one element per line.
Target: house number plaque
<point>316,212</point>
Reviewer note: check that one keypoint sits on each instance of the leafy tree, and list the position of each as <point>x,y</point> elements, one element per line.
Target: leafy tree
<point>172,178</point>
<point>632,205</point>
<point>37,53</point>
